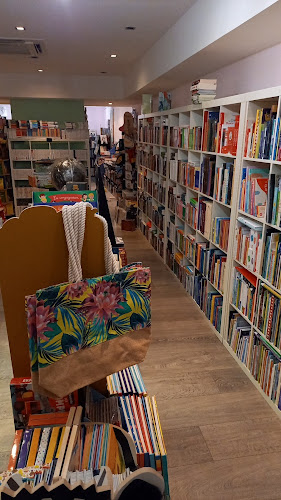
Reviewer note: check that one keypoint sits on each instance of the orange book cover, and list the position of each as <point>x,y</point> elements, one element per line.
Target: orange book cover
<point>47,419</point>
<point>87,447</point>
<point>15,450</point>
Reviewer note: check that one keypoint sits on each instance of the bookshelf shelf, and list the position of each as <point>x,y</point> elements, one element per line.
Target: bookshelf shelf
<point>42,148</point>
<point>213,166</point>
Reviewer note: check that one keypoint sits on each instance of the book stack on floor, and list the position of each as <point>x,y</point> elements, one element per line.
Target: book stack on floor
<point>62,445</point>
<point>203,90</point>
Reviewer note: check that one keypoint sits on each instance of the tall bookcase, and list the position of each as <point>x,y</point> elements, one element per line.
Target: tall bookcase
<point>32,154</point>
<point>170,216</point>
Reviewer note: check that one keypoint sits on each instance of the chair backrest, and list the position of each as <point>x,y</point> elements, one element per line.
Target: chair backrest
<point>34,255</point>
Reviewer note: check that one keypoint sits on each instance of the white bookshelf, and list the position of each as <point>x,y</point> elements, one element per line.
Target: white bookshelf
<point>26,151</point>
<point>246,105</point>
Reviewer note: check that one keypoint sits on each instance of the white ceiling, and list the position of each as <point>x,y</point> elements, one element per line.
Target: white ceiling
<point>80,35</point>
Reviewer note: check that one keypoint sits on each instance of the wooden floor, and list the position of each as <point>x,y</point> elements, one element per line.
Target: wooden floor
<point>223,440</point>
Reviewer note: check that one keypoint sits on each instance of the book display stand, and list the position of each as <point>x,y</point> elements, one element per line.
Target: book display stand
<point>35,253</point>
<point>209,202</point>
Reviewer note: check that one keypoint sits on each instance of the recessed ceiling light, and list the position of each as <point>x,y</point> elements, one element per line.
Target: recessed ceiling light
<point>113,55</point>
<point>130,28</point>
<point>110,103</point>
<point>20,28</point>
<point>40,70</point>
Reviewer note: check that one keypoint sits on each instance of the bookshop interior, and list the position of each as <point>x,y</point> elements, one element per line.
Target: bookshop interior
<point>140,249</point>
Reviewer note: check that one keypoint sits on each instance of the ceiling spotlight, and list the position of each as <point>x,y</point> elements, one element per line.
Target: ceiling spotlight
<point>130,28</point>
<point>20,28</point>
<point>110,103</point>
<point>40,70</point>
<point>113,55</point>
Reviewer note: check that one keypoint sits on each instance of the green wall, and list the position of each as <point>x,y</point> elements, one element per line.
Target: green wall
<point>60,110</point>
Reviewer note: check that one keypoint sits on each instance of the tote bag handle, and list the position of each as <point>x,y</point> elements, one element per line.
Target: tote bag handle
<point>74,220</point>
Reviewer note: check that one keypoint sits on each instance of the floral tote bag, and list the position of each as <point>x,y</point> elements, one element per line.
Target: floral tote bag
<point>81,332</point>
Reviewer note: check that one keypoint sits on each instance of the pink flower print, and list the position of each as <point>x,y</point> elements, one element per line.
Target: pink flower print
<point>103,302</point>
<point>76,290</point>
<point>44,316</point>
<point>142,276</point>
<point>31,316</point>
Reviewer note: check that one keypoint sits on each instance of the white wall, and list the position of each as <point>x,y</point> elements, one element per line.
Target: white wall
<point>5,111</point>
<point>256,72</point>
<point>98,117</point>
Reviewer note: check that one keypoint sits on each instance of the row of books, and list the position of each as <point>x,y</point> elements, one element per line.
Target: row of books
<point>186,137</point>
<point>211,179</point>
<point>220,135</point>
<point>155,162</point>
<point>211,263</point>
<point>243,292</point>
<point>209,302</point>
<point>187,174</point>
<point>146,131</point>
<point>128,381</point>
<point>271,270</point>
<point>159,191</point>
<point>253,193</point>
<point>238,336</point>
<point>262,134</point>
<point>40,154</point>
<point>155,238</point>
<point>184,273</point>
<point>217,228</point>
<point>220,232</point>
<point>264,365</point>
<point>273,215</point>
<point>157,241</point>
<point>141,420</point>
<point>248,243</point>
<point>268,314</point>
<point>186,244</point>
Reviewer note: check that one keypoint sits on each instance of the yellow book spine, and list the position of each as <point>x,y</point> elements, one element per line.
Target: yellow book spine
<point>258,134</point>
<point>34,447</point>
<point>52,445</point>
<point>159,424</point>
<point>60,443</point>
<point>271,290</point>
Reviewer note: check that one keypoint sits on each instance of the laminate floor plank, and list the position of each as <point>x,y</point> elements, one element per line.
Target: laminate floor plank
<point>215,422</point>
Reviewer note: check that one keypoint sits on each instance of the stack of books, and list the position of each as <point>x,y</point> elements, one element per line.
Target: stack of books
<point>203,90</point>
<point>141,420</point>
<point>128,381</point>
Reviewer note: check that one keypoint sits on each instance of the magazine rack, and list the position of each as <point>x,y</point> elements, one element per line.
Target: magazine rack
<point>34,255</point>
